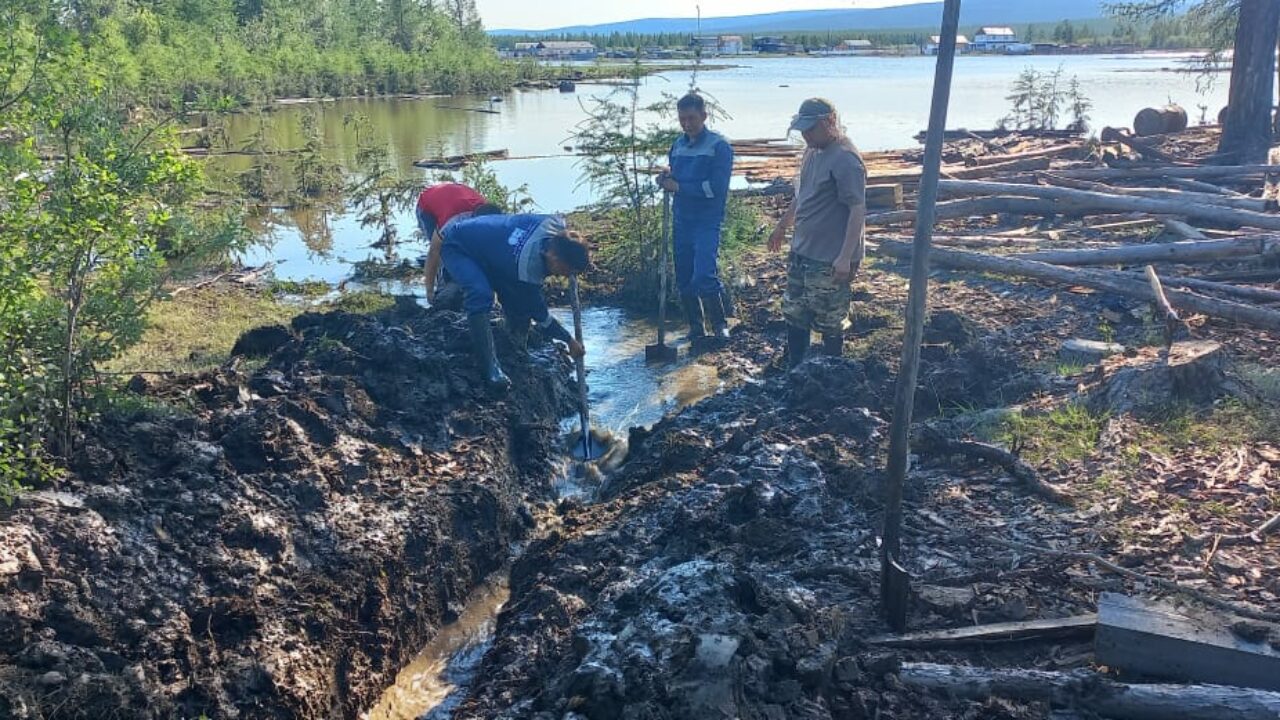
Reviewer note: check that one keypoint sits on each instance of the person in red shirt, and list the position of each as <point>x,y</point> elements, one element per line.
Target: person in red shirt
<point>438,205</point>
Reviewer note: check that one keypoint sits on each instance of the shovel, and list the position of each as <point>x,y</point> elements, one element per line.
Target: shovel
<point>661,353</point>
<point>584,411</point>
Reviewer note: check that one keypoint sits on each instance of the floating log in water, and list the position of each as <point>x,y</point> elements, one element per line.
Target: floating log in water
<point>455,162</point>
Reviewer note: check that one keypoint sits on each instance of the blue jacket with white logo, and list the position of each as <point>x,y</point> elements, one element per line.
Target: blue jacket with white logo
<point>508,248</point>
<point>702,168</point>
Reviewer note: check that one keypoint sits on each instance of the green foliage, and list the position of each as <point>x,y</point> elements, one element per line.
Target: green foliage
<point>1038,100</point>
<point>95,201</point>
<point>315,174</point>
<point>378,190</point>
<point>485,181</point>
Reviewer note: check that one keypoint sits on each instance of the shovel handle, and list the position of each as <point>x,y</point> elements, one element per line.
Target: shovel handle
<point>662,269</point>
<point>580,365</point>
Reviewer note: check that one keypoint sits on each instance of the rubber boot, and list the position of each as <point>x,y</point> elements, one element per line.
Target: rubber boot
<point>797,345</point>
<point>693,311</point>
<point>482,341</point>
<point>833,344</point>
<point>715,313</point>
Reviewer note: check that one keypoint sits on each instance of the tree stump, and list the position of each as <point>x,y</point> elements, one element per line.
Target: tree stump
<point>1192,372</point>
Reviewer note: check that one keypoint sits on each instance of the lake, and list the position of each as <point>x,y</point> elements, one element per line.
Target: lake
<point>883,102</point>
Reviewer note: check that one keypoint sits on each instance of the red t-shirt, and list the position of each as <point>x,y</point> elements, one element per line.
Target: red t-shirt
<point>447,200</point>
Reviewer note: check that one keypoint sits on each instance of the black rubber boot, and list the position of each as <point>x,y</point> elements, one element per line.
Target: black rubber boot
<point>693,311</point>
<point>833,344</point>
<point>797,345</point>
<point>482,342</point>
<point>715,313</point>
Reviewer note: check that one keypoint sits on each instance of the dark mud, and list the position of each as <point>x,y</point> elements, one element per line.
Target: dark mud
<point>734,573</point>
<point>275,543</point>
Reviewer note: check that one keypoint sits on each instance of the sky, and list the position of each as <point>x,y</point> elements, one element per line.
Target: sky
<point>526,15</point>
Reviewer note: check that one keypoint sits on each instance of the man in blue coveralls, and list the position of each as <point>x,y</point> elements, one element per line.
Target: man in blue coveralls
<point>701,163</point>
<point>510,255</point>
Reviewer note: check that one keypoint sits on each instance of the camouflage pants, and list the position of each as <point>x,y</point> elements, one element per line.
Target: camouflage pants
<point>814,299</point>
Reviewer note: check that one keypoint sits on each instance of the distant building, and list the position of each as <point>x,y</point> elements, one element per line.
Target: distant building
<point>775,45</point>
<point>997,39</point>
<point>931,47</point>
<point>525,49</point>
<point>717,44</point>
<point>855,47</point>
<point>565,50</point>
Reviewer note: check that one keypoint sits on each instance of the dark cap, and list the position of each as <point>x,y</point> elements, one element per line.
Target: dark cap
<point>811,111</point>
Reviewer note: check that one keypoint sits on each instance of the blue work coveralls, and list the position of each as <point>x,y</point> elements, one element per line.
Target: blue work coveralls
<point>501,254</point>
<point>702,168</point>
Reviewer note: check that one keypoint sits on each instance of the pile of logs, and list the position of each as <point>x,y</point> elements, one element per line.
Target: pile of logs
<point>1046,215</point>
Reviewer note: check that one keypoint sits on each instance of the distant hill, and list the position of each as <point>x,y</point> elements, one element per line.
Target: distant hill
<point>973,12</point>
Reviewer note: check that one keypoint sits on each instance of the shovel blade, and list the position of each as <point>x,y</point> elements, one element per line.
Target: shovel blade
<point>657,354</point>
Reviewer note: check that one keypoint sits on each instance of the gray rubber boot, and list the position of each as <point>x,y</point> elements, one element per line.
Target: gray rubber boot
<point>693,312</point>
<point>715,313</point>
<point>482,342</point>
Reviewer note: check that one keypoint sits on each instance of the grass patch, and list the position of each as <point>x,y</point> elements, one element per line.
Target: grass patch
<point>1229,424</point>
<point>303,288</point>
<point>1068,434</point>
<point>365,302</point>
<point>196,330</point>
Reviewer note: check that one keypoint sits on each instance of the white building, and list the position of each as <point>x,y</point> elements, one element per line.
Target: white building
<point>995,39</point>
<point>931,47</point>
<point>566,50</point>
<point>718,44</point>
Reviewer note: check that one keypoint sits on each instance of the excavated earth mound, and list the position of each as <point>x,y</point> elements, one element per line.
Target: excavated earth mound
<point>274,543</point>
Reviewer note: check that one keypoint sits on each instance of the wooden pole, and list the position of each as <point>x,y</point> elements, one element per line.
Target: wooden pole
<point>893,578</point>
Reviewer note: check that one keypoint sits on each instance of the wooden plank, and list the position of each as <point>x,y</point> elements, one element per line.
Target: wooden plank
<point>884,196</point>
<point>1160,640</point>
<point>1095,693</point>
<point>1081,626</point>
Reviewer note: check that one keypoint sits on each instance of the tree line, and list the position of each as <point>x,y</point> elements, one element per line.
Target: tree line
<point>248,50</point>
<point>1173,32</point>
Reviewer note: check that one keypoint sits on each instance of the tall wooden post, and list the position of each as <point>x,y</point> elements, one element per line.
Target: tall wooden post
<point>1246,132</point>
<point>893,578</point>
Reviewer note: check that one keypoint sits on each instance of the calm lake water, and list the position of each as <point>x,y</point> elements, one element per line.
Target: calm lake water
<point>884,103</point>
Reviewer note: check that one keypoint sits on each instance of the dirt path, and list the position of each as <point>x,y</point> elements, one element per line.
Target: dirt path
<point>274,543</point>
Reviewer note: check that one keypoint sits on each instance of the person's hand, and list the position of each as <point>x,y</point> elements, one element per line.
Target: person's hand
<point>575,349</point>
<point>668,183</point>
<point>776,239</point>
<point>842,270</point>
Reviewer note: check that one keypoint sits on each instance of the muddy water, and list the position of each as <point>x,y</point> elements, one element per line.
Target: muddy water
<point>623,392</point>
<point>433,684</point>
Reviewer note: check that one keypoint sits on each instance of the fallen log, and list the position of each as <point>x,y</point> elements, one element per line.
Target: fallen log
<point>1204,187</point>
<point>970,207</point>
<point>1113,135</point>
<point>1078,626</point>
<point>1093,692</point>
<point>961,172</point>
<point>1051,152</point>
<point>1105,202</point>
<point>1182,196</point>
<point>453,162</point>
<point>1196,173</point>
<point>933,442</point>
<point>1183,230</point>
<point>1183,251</point>
<point>1244,292</point>
<point>1109,281</point>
